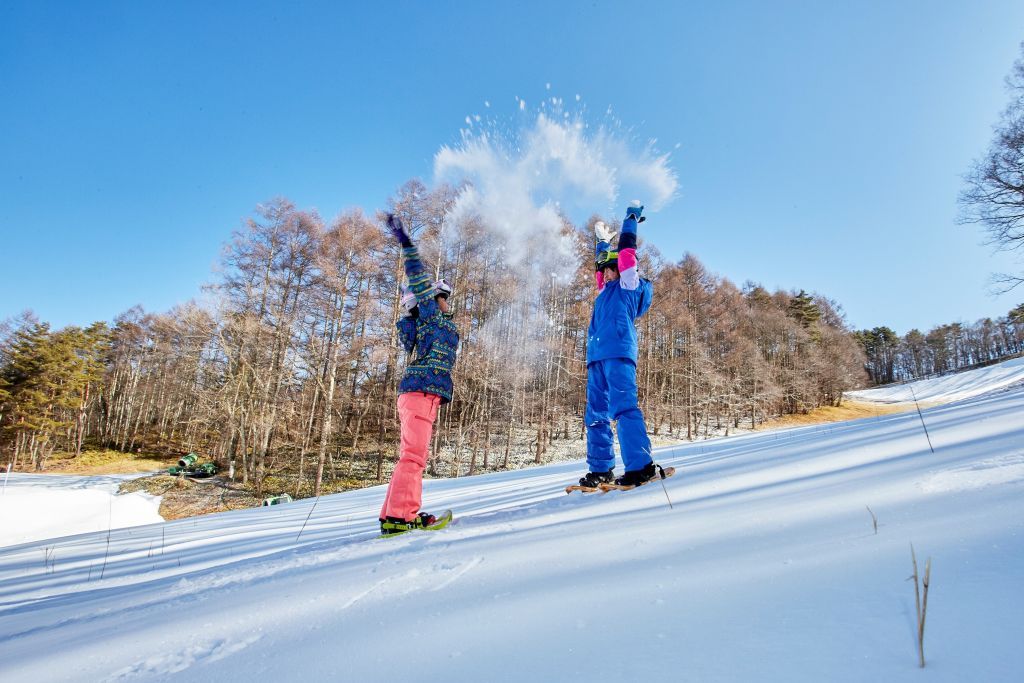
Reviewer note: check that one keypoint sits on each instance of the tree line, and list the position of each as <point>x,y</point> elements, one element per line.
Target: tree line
<point>945,348</point>
<point>290,375</point>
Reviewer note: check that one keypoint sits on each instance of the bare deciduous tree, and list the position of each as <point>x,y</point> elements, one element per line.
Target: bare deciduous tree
<point>289,379</point>
<point>994,196</point>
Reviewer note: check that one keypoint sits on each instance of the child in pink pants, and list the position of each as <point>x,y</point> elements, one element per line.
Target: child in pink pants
<point>416,412</point>
<point>426,330</point>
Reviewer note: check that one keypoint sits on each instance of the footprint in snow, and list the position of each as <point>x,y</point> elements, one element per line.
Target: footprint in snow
<point>184,658</point>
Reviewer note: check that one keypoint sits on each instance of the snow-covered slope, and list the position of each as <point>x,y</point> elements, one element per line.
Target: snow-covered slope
<point>767,568</point>
<point>947,388</point>
<point>40,506</point>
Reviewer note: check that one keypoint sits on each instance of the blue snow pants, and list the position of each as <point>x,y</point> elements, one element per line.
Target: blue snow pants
<point>612,395</point>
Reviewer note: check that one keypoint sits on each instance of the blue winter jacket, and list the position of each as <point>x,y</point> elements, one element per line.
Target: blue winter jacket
<point>612,333</point>
<point>431,334</point>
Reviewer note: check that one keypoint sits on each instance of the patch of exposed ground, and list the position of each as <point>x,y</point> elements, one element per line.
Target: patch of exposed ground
<point>106,462</point>
<point>185,497</point>
<point>849,410</point>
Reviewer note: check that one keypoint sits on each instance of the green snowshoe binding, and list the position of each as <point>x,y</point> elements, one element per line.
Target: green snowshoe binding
<point>393,526</point>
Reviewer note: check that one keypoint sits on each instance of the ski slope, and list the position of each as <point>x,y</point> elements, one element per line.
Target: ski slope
<point>945,388</point>
<point>35,507</point>
<point>767,568</point>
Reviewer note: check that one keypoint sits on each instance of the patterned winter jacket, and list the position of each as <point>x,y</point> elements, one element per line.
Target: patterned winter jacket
<point>612,333</point>
<point>432,335</point>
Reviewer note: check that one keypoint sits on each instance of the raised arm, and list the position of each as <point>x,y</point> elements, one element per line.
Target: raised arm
<point>605,235</point>
<point>629,278</point>
<point>419,279</point>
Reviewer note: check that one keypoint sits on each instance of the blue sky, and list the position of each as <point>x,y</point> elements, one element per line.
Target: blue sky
<point>821,145</point>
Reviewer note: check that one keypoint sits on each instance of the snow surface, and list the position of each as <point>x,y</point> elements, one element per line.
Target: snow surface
<point>39,506</point>
<point>950,387</point>
<point>767,568</point>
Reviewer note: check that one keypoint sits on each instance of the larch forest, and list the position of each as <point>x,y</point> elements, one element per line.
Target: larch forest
<point>290,374</point>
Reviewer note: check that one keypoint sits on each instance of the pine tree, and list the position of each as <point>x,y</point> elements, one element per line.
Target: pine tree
<point>880,346</point>
<point>90,347</point>
<point>44,376</point>
<point>803,309</point>
<point>22,374</point>
<point>5,398</point>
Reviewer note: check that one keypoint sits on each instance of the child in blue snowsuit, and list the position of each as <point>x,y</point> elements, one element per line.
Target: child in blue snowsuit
<point>623,296</point>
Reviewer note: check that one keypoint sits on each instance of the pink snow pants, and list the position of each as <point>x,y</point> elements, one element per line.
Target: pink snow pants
<point>416,412</point>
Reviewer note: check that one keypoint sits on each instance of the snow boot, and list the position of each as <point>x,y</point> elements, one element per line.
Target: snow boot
<point>638,477</point>
<point>592,479</point>
<point>397,525</point>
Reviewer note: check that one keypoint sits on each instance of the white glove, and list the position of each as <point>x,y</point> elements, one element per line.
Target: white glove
<point>603,232</point>
<point>408,301</point>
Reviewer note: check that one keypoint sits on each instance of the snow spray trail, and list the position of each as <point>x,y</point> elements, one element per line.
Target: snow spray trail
<point>522,180</point>
<point>522,177</point>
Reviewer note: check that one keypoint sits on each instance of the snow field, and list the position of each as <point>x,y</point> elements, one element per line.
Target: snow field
<point>950,387</point>
<point>35,507</point>
<point>767,568</point>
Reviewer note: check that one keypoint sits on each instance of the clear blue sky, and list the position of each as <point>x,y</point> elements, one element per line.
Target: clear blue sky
<point>821,144</point>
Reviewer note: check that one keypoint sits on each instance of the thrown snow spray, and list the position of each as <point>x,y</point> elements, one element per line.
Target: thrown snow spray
<point>524,179</point>
<point>519,180</point>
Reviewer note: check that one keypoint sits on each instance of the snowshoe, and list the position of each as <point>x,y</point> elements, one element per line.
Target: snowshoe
<point>392,526</point>
<point>591,481</point>
<point>634,478</point>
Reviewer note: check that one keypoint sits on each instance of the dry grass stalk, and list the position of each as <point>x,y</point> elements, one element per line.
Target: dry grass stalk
<point>921,604</point>
<point>924,608</point>
<point>874,520</point>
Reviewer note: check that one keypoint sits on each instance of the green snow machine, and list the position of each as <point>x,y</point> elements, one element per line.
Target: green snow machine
<point>207,469</point>
<point>187,466</point>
